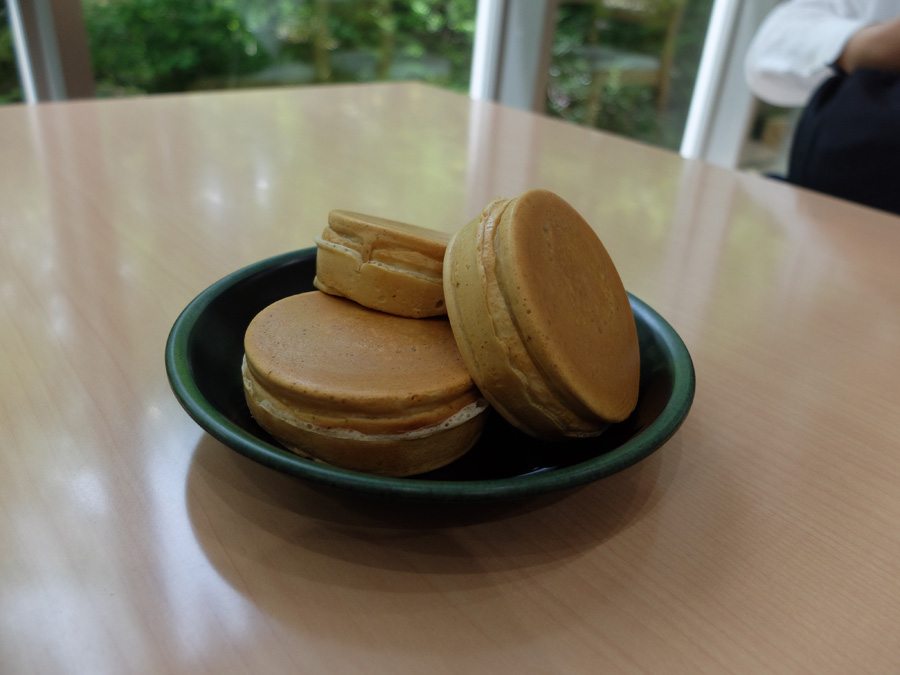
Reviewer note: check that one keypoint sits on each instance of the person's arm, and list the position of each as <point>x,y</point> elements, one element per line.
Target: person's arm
<point>875,46</point>
<point>794,48</point>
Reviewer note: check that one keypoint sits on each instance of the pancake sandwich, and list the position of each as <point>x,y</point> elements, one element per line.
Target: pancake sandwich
<point>360,389</point>
<point>382,264</point>
<point>542,319</point>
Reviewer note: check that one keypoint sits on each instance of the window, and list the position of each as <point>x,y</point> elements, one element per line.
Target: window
<point>769,139</point>
<point>10,87</point>
<point>551,56</point>
<point>627,66</point>
<point>181,45</point>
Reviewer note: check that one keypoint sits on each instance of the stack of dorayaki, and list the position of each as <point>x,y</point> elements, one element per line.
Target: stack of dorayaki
<point>413,336</point>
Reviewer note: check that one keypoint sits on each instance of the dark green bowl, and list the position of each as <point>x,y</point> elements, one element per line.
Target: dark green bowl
<point>203,361</point>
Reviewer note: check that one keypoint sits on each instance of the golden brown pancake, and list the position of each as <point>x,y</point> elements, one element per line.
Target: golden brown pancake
<point>360,389</point>
<point>541,317</point>
<point>383,264</point>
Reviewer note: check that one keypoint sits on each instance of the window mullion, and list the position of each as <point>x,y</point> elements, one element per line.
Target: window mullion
<point>54,64</point>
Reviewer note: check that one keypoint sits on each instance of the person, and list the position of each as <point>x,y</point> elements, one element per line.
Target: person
<point>840,60</point>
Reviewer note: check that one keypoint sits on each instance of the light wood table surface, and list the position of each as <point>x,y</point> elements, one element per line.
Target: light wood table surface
<point>764,537</point>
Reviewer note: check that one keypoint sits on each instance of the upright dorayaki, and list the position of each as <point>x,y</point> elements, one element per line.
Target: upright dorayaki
<point>541,317</point>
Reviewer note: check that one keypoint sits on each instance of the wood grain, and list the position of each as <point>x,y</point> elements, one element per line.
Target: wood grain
<point>762,538</point>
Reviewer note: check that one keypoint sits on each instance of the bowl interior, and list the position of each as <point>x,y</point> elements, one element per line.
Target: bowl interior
<point>203,360</point>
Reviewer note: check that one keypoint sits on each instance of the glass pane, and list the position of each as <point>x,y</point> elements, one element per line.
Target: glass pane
<point>10,88</point>
<point>628,66</point>
<point>768,142</point>
<point>156,46</point>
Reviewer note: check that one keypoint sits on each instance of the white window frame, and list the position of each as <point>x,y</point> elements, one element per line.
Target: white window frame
<point>54,64</point>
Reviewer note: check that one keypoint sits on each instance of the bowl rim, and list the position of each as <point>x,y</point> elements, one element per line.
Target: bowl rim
<point>218,425</point>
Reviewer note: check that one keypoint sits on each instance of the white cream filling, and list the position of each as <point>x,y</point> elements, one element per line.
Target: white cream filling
<point>294,418</point>
<point>408,269</point>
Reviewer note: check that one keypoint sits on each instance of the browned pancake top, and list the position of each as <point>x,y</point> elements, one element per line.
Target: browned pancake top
<point>319,350</point>
<point>368,232</point>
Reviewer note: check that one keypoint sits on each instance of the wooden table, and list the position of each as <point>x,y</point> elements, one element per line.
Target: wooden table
<point>763,538</point>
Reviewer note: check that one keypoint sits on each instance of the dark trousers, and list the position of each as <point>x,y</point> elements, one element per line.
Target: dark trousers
<point>847,141</point>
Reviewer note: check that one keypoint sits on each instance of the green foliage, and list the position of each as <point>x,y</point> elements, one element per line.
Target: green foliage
<point>165,45</point>
<point>10,91</point>
<point>428,40</point>
<point>629,110</point>
<point>174,45</point>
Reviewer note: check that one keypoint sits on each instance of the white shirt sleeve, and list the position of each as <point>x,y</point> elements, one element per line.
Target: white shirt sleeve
<point>792,52</point>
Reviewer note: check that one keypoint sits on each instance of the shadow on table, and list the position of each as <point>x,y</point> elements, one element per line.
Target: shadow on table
<point>377,580</point>
<point>276,520</point>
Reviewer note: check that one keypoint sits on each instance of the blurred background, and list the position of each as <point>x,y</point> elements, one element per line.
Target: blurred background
<point>664,72</point>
